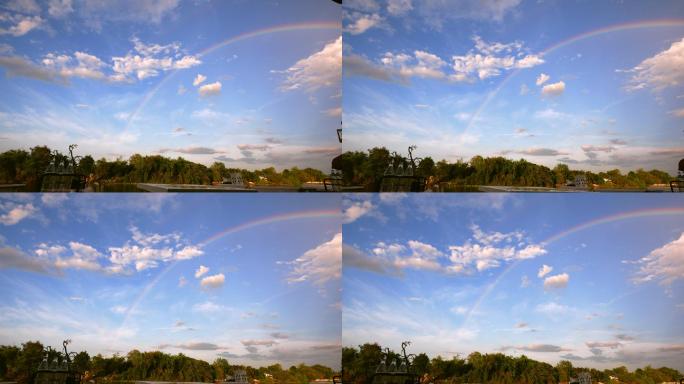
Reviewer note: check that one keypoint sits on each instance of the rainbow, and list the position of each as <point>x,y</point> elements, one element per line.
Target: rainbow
<point>307,26</point>
<point>636,214</point>
<point>279,218</point>
<point>642,24</point>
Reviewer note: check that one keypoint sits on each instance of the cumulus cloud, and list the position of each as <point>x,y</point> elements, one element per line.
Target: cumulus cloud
<point>421,64</point>
<point>12,214</point>
<point>199,79</point>
<point>355,210</point>
<point>211,89</point>
<point>544,270</point>
<point>355,65</point>
<point>361,22</point>
<point>484,251</point>
<point>556,281</point>
<point>320,264</point>
<point>553,89</point>
<point>98,12</point>
<point>660,71</point>
<point>321,69</point>
<point>145,61</point>
<point>664,264</point>
<point>21,25</point>
<point>14,258</point>
<point>542,78</point>
<point>399,7</point>
<point>201,271</point>
<point>60,8</point>
<point>490,59</point>
<point>213,281</point>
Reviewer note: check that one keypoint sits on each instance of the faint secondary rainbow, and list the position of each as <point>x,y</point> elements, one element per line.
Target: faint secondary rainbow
<point>312,25</point>
<point>279,218</point>
<point>642,24</point>
<point>636,214</point>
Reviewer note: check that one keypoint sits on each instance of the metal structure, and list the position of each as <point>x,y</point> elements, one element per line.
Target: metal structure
<point>396,371</point>
<point>403,179</point>
<point>62,175</point>
<point>582,378</point>
<point>678,184</point>
<point>56,371</point>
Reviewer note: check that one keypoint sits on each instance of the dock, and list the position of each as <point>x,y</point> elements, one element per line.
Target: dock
<point>147,187</point>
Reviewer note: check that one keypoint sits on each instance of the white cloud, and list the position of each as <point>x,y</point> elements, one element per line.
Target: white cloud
<point>148,250</point>
<point>525,282</point>
<point>484,251</point>
<point>22,6</point>
<point>664,264</point>
<point>552,309</point>
<point>83,256</point>
<point>201,271</point>
<point>213,281</point>
<point>422,64</point>
<point>211,89</point>
<point>319,265</point>
<point>544,270</point>
<point>54,199</point>
<point>678,112</point>
<point>22,25</point>
<point>199,79</point>
<point>399,7</point>
<point>96,12</point>
<point>556,281</point>
<point>660,71</point>
<point>554,89</point>
<point>207,307</point>
<point>321,69</point>
<point>542,78</point>
<point>14,213</point>
<point>148,60</point>
<point>181,90</point>
<point>60,8</point>
<point>490,249</point>
<point>362,22</point>
<point>362,5</point>
<point>355,210</point>
<point>483,61</point>
<point>182,281</point>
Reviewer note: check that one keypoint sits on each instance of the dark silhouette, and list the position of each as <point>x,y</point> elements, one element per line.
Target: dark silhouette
<point>360,364</point>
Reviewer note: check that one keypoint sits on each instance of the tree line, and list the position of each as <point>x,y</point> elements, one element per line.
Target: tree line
<point>20,363</point>
<point>359,365</point>
<point>367,169</point>
<point>19,166</point>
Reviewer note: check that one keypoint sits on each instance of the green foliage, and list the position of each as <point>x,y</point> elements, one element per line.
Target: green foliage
<point>19,166</point>
<point>367,169</point>
<point>359,364</point>
<point>19,364</point>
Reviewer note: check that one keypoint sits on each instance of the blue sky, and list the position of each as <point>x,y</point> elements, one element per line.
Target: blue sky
<point>114,273</point>
<point>140,77</point>
<point>463,77</point>
<point>504,273</point>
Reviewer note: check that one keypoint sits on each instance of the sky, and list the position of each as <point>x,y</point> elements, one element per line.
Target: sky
<point>596,85</point>
<point>250,84</point>
<point>254,279</point>
<point>596,280</point>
